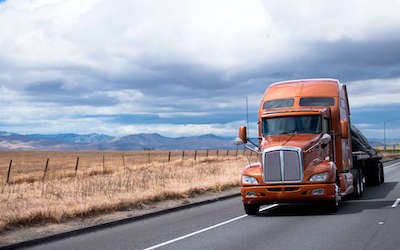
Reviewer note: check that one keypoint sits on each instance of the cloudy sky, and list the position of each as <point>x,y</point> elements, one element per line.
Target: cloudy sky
<point>184,67</point>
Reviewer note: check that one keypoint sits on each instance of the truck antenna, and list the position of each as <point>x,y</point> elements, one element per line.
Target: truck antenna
<point>247,117</point>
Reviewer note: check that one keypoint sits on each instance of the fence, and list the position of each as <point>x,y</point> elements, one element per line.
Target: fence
<point>29,166</point>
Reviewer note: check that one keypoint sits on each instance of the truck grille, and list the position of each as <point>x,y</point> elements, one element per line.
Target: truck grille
<point>282,165</point>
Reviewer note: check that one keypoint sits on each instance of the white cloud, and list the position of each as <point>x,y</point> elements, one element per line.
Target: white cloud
<point>174,58</point>
<point>374,92</point>
<point>231,36</point>
<point>102,125</point>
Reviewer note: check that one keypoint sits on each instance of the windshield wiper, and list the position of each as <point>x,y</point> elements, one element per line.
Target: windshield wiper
<point>290,132</point>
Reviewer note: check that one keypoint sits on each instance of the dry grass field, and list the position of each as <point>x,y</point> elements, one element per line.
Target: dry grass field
<point>125,180</point>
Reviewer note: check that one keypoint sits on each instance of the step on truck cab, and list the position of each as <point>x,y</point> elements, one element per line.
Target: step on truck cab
<point>305,148</point>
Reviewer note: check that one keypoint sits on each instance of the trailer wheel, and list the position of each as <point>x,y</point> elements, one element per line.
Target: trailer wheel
<point>382,172</point>
<point>374,176</point>
<point>251,209</point>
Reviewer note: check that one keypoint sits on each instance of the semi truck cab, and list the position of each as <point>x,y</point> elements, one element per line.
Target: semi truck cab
<point>304,147</point>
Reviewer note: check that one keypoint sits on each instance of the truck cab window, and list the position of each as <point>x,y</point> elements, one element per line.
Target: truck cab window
<point>326,126</point>
<point>279,103</point>
<point>301,124</point>
<point>317,101</point>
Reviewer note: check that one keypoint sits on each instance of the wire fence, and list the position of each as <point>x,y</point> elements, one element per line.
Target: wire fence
<point>31,166</point>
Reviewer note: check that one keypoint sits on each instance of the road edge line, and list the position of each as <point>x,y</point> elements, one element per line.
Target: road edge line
<point>396,203</point>
<point>205,229</point>
<point>68,234</point>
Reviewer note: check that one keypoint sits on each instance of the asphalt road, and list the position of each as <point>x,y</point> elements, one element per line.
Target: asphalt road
<point>369,223</point>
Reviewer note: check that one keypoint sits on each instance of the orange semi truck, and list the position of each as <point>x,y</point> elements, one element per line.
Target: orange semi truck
<point>308,150</point>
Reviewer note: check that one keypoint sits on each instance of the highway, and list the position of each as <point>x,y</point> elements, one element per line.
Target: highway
<point>370,223</point>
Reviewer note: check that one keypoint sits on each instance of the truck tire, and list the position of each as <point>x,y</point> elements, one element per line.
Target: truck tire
<point>375,174</point>
<point>382,172</point>
<point>251,209</point>
<point>358,184</point>
<point>333,205</point>
<point>362,181</point>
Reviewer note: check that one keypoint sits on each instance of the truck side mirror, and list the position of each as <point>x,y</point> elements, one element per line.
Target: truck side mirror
<point>243,134</point>
<point>238,141</point>
<point>344,127</point>
<point>325,139</point>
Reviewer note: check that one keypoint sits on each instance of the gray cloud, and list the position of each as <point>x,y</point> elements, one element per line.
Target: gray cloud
<point>55,92</point>
<point>192,64</point>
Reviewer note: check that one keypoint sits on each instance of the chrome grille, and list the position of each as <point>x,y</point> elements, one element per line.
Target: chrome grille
<point>273,160</point>
<point>282,164</point>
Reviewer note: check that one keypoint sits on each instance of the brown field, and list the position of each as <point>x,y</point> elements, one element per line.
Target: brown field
<point>125,180</point>
<point>390,155</point>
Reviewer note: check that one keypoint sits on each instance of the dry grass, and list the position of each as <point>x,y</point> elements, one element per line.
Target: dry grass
<point>388,156</point>
<point>28,166</point>
<point>63,195</point>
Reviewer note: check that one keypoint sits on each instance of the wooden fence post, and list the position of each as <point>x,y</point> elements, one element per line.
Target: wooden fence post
<point>9,171</point>
<point>45,169</point>
<point>169,156</point>
<point>104,169</point>
<point>217,153</point>
<point>195,154</point>
<point>123,161</point>
<point>76,165</point>
<point>227,152</point>
<point>207,153</point>
<point>183,154</point>
<point>236,153</point>
<point>148,157</point>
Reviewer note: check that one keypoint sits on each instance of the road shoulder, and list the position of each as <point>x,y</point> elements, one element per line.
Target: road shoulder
<point>45,232</point>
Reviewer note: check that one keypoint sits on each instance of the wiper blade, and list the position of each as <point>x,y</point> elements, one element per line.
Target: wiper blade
<point>289,132</point>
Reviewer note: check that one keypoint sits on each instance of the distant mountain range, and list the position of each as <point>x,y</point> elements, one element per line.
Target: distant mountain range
<point>375,142</point>
<point>13,141</point>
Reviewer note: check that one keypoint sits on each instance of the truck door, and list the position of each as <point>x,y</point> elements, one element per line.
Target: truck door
<point>344,116</point>
<point>328,130</point>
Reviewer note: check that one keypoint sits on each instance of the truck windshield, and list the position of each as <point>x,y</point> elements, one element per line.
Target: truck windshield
<point>305,124</point>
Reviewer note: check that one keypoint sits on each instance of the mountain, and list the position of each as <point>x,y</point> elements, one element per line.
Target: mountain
<point>378,142</point>
<point>12,141</point>
<point>90,138</point>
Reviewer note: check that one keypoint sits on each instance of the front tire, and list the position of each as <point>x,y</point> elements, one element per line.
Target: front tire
<point>251,209</point>
<point>333,205</point>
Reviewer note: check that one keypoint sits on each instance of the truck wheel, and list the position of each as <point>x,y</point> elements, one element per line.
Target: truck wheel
<point>374,176</point>
<point>362,182</point>
<point>377,177</point>
<point>382,172</point>
<point>251,209</point>
<point>357,183</point>
<point>333,205</point>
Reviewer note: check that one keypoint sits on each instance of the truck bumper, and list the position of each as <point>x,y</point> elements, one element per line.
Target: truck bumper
<point>287,193</point>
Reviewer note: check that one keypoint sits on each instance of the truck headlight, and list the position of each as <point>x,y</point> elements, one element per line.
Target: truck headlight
<point>249,180</point>
<point>319,177</point>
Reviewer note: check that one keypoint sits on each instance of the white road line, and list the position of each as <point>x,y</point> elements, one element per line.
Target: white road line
<point>268,207</point>
<point>396,203</point>
<point>205,229</point>
<point>392,165</point>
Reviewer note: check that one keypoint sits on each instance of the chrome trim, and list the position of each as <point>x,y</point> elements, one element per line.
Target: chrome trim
<point>282,162</point>
<point>281,149</point>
